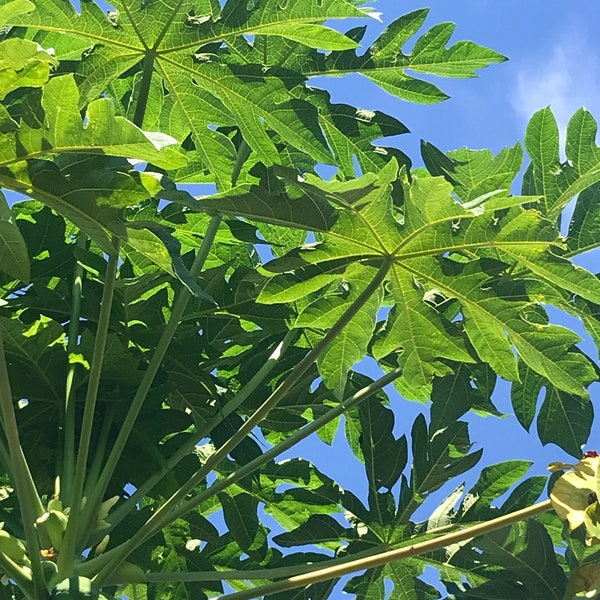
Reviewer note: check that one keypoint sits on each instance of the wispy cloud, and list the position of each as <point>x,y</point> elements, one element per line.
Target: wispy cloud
<point>565,78</point>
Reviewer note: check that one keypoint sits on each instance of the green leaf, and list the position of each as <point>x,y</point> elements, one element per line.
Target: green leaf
<point>216,77</point>
<point>521,556</point>
<point>104,132</point>
<point>23,64</point>
<point>162,248</point>
<point>240,516</point>
<point>385,63</point>
<point>494,480</point>
<point>351,131</point>
<point>13,8</point>
<point>313,36</point>
<point>439,456</point>
<point>14,257</point>
<point>352,342</point>
<point>525,494</point>
<point>434,242</point>
<point>564,419</point>
<point>318,529</point>
<point>584,228</point>
<point>384,455</point>
<point>556,180</point>
<point>258,203</point>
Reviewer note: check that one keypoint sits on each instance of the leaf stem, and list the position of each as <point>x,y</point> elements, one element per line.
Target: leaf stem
<point>184,450</point>
<point>18,574</point>
<point>97,494</point>
<point>144,92</point>
<point>162,515</point>
<point>5,458</point>
<point>100,451</point>
<point>30,503</point>
<point>68,439</point>
<point>286,444</point>
<point>383,558</point>
<point>161,349</point>
<point>66,557</point>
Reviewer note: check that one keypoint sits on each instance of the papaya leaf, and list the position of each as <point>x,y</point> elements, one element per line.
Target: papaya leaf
<point>520,557</point>
<point>441,253</point>
<point>215,76</point>
<point>14,257</point>
<point>23,64</point>
<point>548,175</point>
<point>563,419</point>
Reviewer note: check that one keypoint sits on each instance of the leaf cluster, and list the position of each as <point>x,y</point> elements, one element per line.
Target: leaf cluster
<point>163,349</point>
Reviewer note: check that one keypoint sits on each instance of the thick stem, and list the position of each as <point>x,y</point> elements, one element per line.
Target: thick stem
<point>67,555</point>
<point>164,513</point>
<point>68,456</point>
<point>379,560</point>
<point>97,494</point>
<point>143,94</point>
<point>185,449</point>
<point>29,499</point>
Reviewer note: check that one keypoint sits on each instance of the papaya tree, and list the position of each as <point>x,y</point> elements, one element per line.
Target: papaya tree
<point>163,352</point>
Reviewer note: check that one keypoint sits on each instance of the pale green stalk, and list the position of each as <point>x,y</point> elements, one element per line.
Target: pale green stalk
<point>286,444</point>
<point>29,499</point>
<point>68,432</point>
<point>100,452</point>
<point>157,520</point>
<point>97,494</point>
<point>117,515</point>
<point>155,362</point>
<point>66,557</point>
<point>320,574</point>
<point>21,577</point>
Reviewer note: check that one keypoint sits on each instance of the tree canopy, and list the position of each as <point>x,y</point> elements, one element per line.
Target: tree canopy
<point>160,350</point>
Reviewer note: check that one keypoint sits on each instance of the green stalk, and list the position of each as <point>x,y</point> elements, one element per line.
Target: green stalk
<point>155,362</point>
<point>185,449</point>
<point>286,444</point>
<point>29,499</point>
<point>18,575</point>
<point>97,494</point>
<point>66,557</point>
<point>274,573</point>
<point>68,440</point>
<point>143,94</point>
<point>100,452</point>
<point>94,472</point>
<point>379,560</point>
<point>163,514</point>
<point>5,458</point>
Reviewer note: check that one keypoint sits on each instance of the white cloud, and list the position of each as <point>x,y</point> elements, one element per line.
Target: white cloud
<point>565,78</point>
